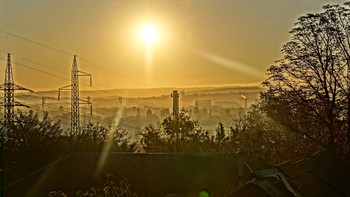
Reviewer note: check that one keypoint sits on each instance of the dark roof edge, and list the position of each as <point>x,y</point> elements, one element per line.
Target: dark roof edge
<point>38,170</point>
<point>122,154</point>
<point>163,154</point>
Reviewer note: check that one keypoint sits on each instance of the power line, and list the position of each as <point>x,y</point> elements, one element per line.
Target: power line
<point>34,42</point>
<point>120,75</point>
<point>133,122</point>
<point>136,123</point>
<point>60,77</point>
<point>69,54</point>
<point>42,65</point>
<point>38,70</point>
<point>31,100</point>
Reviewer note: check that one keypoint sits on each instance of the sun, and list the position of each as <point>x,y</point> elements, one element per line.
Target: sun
<point>148,34</point>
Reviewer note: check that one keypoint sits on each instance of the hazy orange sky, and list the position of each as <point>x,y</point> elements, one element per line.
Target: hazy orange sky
<point>201,43</point>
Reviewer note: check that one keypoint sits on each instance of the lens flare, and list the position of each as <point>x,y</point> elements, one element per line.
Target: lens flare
<point>107,146</point>
<point>217,59</point>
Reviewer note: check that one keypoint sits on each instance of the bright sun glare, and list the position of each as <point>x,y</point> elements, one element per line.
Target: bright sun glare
<point>148,34</point>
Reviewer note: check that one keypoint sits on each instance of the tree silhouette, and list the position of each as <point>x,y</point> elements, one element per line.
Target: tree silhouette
<point>221,139</point>
<point>30,144</point>
<point>33,142</point>
<point>177,134</point>
<point>108,189</point>
<point>93,137</point>
<point>152,137</point>
<point>309,88</point>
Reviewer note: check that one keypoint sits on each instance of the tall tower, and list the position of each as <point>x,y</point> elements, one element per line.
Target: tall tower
<point>75,118</point>
<point>75,99</point>
<point>175,96</point>
<point>9,104</point>
<point>9,88</point>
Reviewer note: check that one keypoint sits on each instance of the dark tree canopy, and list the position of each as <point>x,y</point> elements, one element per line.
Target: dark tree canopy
<point>32,142</point>
<point>176,134</point>
<point>309,88</point>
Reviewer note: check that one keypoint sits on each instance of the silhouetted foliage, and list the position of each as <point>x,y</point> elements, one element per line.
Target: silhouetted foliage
<point>152,137</point>
<point>108,189</point>
<point>57,194</point>
<point>121,141</point>
<point>309,88</point>
<point>176,134</point>
<point>221,140</point>
<point>266,141</point>
<point>91,137</point>
<point>30,143</point>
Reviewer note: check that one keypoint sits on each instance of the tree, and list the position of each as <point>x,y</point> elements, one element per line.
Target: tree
<point>309,88</point>
<point>91,137</point>
<point>94,137</point>
<point>184,134</point>
<point>108,189</point>
<point>177,134</point>
<point>221,139</point>
<point>121,141</point>
<point>264,140</point>
<point>30,144</point>
<point>152,137</point>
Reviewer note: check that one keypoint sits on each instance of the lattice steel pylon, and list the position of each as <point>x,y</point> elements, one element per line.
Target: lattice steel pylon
<point>75,99</point>
<point>9,88</point>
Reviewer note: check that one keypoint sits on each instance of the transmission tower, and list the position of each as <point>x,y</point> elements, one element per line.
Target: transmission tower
<point>75,99</point>
<point>9,88</point>
<point>9,104</point>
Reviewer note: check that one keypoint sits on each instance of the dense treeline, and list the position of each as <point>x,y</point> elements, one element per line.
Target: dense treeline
<point>31,142</point>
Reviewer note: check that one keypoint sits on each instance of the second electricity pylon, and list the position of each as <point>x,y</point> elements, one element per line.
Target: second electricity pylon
<point>75,99</point>
<point>9,88</point>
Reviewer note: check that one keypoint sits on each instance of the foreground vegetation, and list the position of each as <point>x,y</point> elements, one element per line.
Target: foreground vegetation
<point>32,143</point>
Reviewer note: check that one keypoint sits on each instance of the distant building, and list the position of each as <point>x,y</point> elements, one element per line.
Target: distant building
<point>203,104</point>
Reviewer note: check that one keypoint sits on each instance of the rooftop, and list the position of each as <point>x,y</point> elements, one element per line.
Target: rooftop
<point>154,174</point>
